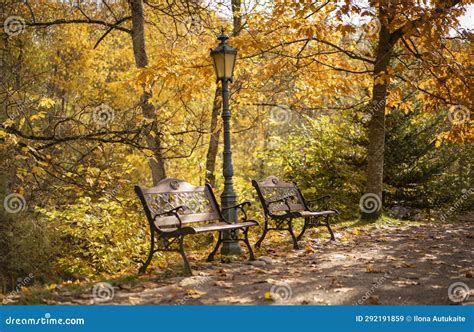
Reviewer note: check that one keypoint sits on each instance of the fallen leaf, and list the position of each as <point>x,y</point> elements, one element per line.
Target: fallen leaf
<point>134,300</point>
<point>223,284</point>
<point>257,270</point>
<point>372,269</point>
<point>374,299</point>
<point>126,286</point>
<point>268,296</point>
<point>194,293</point>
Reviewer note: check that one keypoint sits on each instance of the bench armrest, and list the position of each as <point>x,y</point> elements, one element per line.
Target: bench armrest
<point>284,200</point>
<point>240,207</point>
<point>173,211</point>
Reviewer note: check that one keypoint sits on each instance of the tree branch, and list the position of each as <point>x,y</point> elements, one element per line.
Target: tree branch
<point>83,21</point>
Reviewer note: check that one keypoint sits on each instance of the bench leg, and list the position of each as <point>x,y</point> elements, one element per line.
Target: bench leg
<point>293,237</point>
<point>187,267</point>
<point>210,258</point>
<point>329,229</point>
<point>265,230</point>
<point>249,247</point>
<point>305,225</point>
<point>150,254</point>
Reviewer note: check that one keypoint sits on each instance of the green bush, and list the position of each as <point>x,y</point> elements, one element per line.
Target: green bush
<point>328,155</point>
<point>324,156</point>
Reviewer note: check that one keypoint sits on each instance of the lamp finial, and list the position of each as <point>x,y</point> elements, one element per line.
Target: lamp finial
<point>222,37</point>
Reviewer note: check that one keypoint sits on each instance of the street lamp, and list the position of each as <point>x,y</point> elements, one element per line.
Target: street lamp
<point>223,57</point>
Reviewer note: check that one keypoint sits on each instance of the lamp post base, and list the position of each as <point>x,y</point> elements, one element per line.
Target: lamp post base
<point>231,248</point>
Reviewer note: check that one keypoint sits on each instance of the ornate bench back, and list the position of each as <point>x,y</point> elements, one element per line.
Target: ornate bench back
<point>199,203</point>
<point>272,189</point>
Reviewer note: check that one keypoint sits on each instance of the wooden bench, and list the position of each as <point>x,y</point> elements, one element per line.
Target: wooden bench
<point>282,202</point>
<point>175,208</point>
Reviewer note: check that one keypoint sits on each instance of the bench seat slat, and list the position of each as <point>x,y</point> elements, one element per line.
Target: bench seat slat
<point>186,219</point>
<point>223,226</point>
<point>213,227</point>
<point>317,214</point>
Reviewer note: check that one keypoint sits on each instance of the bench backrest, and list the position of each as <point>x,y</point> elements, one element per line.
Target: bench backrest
<point>272,189</point>
<point>199,203</point>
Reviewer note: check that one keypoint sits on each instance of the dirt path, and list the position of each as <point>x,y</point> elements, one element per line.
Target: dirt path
<point>410,264</point>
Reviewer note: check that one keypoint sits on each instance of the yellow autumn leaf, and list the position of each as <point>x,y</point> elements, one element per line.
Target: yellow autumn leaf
<point>268,296</point>
<point>148,153</point>
<point>46,102</point>
<point>372,269</point>
<point>194,293</point>
<point>8,123</point>
<point>38,170</point>
<point>38,116</point>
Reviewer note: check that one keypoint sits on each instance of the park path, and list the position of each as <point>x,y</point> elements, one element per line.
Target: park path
<point>406,264</point>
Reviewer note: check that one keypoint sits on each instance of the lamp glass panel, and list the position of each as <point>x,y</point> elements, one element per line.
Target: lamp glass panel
<point>219,64</point>
<point>229,64</point>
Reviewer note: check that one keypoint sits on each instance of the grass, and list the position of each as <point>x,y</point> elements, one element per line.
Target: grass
<point>384,220</point>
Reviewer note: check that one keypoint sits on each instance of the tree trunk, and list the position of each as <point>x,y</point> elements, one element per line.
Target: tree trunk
<point>371,202</point>
<point>261,171</point>
<point>217,105</point>
<point>153,139</point>
<point>214,139</point>
<point>236,17</point>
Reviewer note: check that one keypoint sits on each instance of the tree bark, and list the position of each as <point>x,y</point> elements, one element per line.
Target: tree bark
<point>236,17</point>
<point>376,128</point>
<point>215,129</point>
<point>153,138</point>
<point>214,139</point>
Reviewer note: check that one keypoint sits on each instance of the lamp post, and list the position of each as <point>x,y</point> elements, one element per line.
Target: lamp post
<point>223,57</point>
